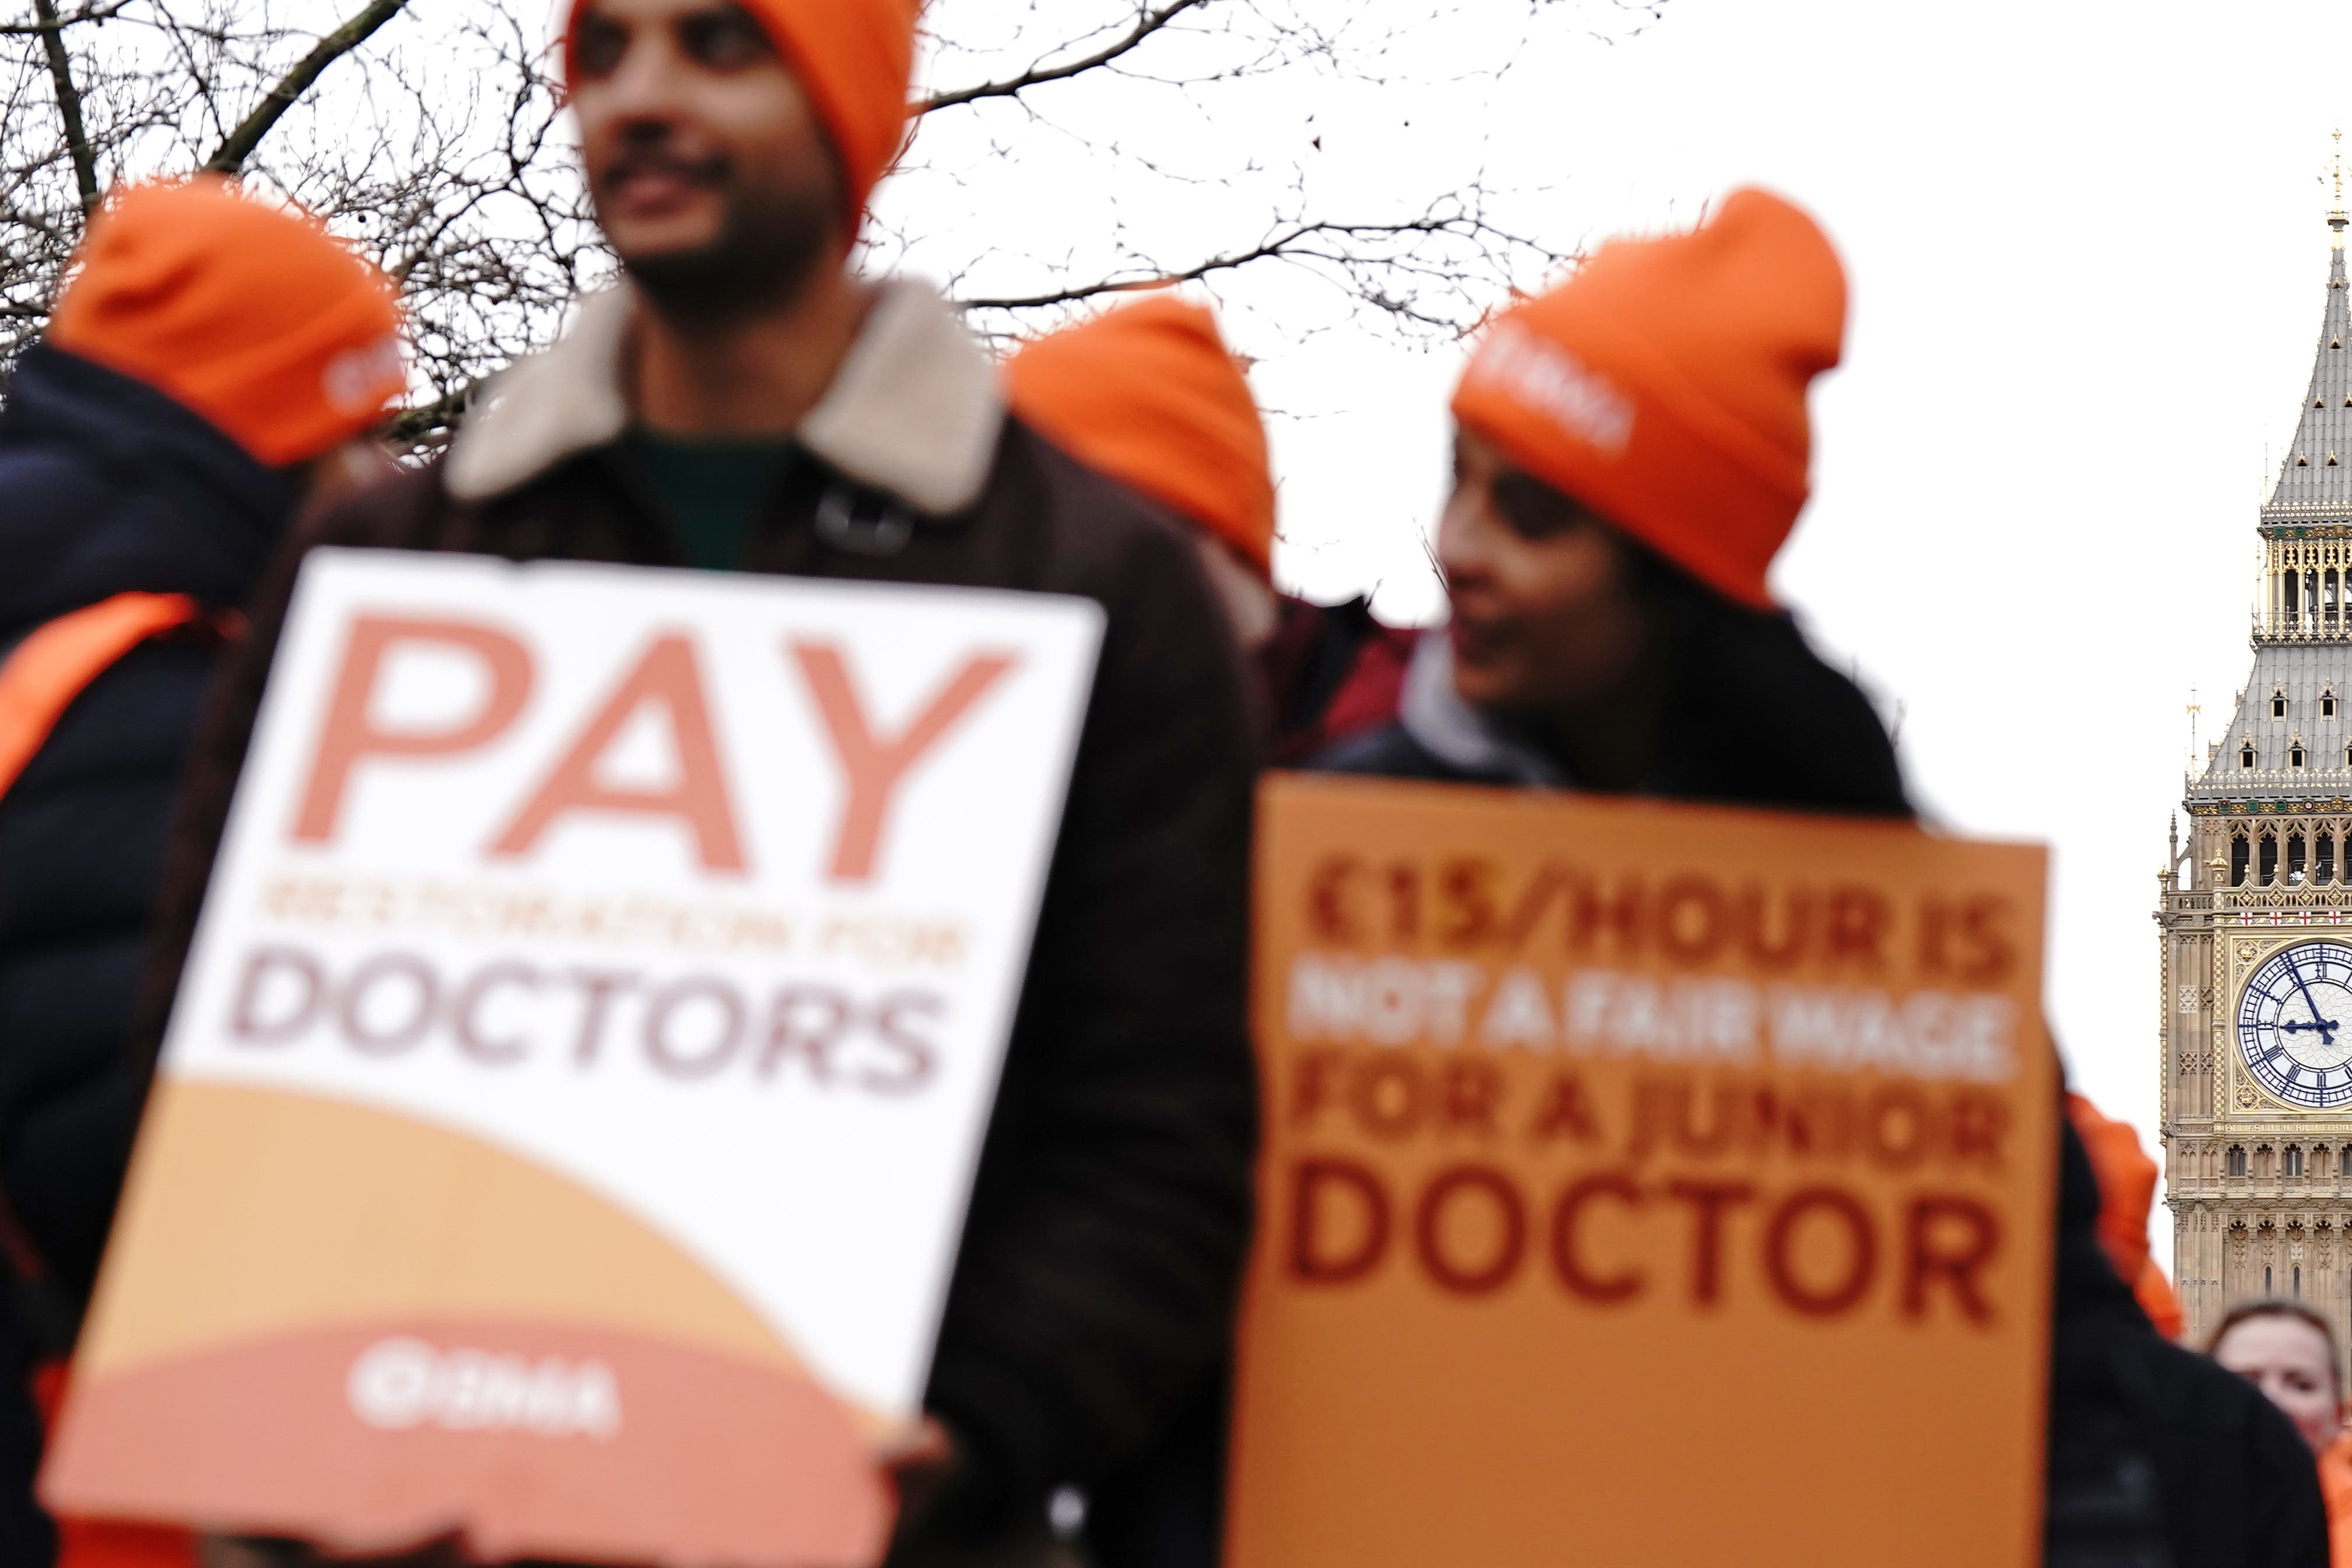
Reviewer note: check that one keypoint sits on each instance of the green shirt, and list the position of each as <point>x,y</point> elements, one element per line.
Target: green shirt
<point>712,492</point>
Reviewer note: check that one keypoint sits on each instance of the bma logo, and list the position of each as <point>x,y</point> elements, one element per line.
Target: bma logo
<point>400,1385</point>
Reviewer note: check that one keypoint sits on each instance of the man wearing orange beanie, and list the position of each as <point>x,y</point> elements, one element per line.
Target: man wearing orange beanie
<point>201,371</point>
<point>1149,393</point>
<point>744,401</point>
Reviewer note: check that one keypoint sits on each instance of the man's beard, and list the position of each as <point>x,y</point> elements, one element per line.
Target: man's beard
<point>771,243</point>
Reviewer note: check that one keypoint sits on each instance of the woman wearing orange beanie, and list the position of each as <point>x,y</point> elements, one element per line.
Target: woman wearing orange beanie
<point>208,356</point>
<point>1149,393</point>
<point>1631,452</point>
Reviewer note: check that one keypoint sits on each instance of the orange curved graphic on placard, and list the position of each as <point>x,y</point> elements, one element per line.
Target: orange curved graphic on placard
<point>255,1213</point>
<point>522,1438</point>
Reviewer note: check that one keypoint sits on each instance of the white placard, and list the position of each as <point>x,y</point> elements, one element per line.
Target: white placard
<point>710,893</point>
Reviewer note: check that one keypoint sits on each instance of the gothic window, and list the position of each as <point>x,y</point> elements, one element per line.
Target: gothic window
<point>2237,1161</point>
<point>2344,1161</point>
<point>2295,757</point>
<point>2294,1161</point>
<point>2278,704</point>
<point>2295,855</point>
<point>2323,856</point>
<point>2246,755</point>
<point>2266,864</point>
<point>2237,858</point>
<point>2327,703</point>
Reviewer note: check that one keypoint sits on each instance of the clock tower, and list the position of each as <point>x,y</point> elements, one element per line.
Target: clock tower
<point>2255,909</point>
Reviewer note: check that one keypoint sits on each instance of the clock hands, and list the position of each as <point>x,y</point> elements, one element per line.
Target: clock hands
<point>2322,1026</point>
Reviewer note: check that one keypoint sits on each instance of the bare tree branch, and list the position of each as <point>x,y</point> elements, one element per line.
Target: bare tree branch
<point>441,150</point>
<point>1283,244</point>
<point>230,156</point>
<point>46,20</point>
<point>1422,272</point>
<point>1152,19</point>
<point>61,77</point>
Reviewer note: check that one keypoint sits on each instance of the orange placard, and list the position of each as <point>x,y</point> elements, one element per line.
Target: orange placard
<point>1643,1184</point>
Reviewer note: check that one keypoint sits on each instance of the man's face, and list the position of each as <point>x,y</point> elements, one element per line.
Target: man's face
<point>1544,618</point>
<point>711,173</point>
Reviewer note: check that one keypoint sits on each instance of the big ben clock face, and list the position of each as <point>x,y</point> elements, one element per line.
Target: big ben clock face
<point>2295,1025</point>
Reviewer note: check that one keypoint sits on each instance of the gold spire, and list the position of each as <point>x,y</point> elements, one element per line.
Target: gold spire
<point>2335,217</point>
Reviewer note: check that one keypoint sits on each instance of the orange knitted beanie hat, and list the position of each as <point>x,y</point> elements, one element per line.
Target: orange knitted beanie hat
<point>854,59</point>
<point>254,317</point>
<point>1148,395</point>
<point>1664,385</point>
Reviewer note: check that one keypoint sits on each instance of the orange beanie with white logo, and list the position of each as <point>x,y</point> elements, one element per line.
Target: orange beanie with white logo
<point>853,58</point>
<point>254,317</point>
<point>1664,385</point>
<point>1149,395</point>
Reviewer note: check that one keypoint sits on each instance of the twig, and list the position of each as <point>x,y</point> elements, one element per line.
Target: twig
<point>1289,242</point>
<point>47,20</point>
<point>230,157</point>
<point>1153,19</point>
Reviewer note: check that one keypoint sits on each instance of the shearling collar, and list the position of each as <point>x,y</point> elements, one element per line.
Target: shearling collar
<point>1458,734</point>
<point>914,411</point>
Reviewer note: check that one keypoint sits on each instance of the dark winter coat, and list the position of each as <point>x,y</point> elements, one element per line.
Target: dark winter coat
<point>1329,672</point>
<point>2158,1458</point>
<point>1101,1258</point>
<point>106,487</point>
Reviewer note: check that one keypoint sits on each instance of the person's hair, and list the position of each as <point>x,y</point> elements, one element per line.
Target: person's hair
<point>1755,717</point>
<point>1759,718</point>
<point>2278,1307</point>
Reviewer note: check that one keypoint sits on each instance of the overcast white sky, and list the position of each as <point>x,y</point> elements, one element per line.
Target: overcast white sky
<point>2088,253</point>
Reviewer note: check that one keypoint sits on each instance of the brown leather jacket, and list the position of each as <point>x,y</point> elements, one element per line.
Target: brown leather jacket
<point>1108,1226</point>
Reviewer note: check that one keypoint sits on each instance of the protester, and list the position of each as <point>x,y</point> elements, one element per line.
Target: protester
<point>2127,1195</point>
<point>1606,541</point>
<point>1630,453</point>
<point>2286,1350</point>
<point>744,401</point>
<point>207,355</point>
<point>1149,395</point>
